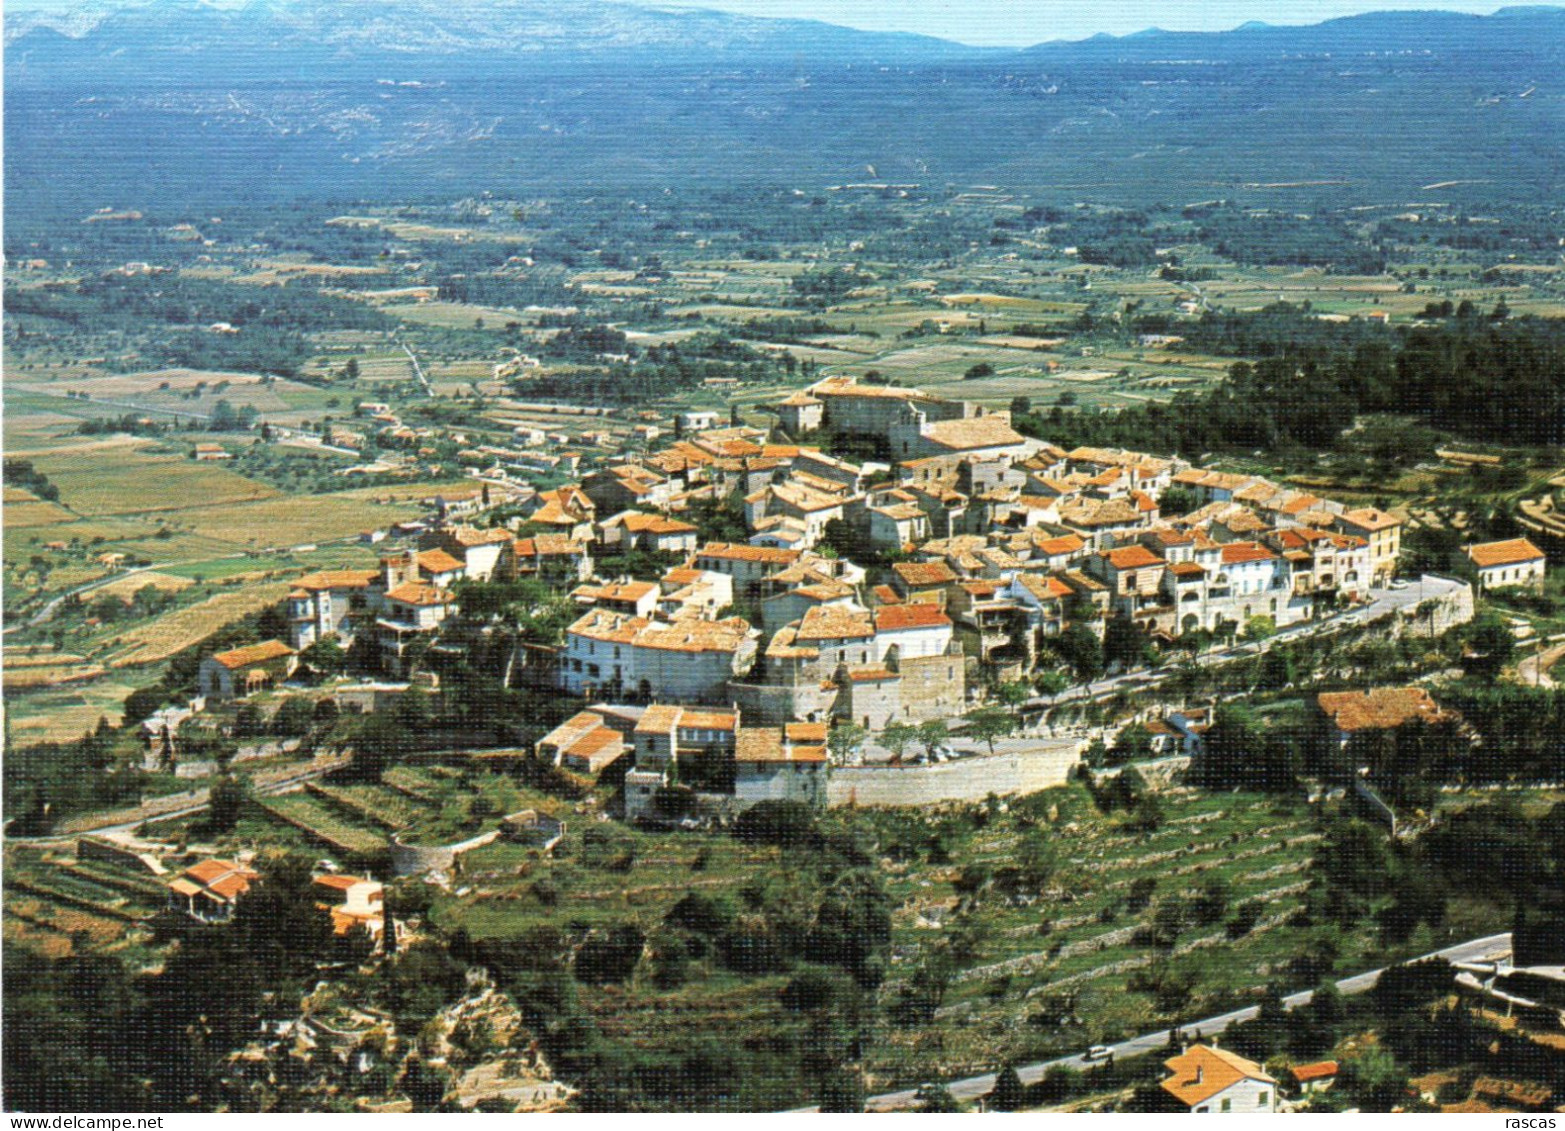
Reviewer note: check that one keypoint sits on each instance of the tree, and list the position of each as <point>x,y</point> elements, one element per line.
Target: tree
<point>1133,741</point>
<point>1012,694</point>
<point>1079,647</point>
<point>1491,646</point>
<point>989,723</point>
<point>1008,1094</point>
<point>978,372</point>
<point>226,801</point>
<point>842,1090</point>
<point>931,734</point>
<point>1123,642</point>
<point>294,717</point>
<point>842,739</point>
<point>897,737</point>
<point>326,657</point>
<point>1375,1079</point>
<point>1260,628</point>
<point>1175,501</point>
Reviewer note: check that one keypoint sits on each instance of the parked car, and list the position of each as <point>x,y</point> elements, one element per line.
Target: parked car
<point>1098,1052</point>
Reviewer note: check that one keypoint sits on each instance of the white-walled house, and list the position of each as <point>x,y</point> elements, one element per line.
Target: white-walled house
<point>1513,562</point>
<point>687,661</point>
<point>1215,1081</point>
<point>336,602</point>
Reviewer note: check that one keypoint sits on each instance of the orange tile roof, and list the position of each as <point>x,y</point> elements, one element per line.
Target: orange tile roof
<point>1132,557</point>
<point>659,718</point>
<point>1382,708</point>
<point>894,618</point>
<point>419,594</point>
<point>1235,553</point>
<point>973,433</point>
<point>656,524</point>
<point>872,673</point>
<point>831,622</point>
<point>472,536</point>
<point>734,551</point>
<point>813,733</point>
<point>1068,544</point>
<point>438,561</point>
<point>545,545</point>
<point>707,720</point>
<point>337,882</point>
<point>339,579</point>
<point>924,573</point>
<point>1046,588</point>
<point>1320,1070</point>
<point>1511,552</point>
<point>1199,1073</point>
<point>1187,569</point>
<point>616,591</point>
<point>768,744</point>
<point>1368,518</point>
<point>886,595</point>
<point>253,654</point>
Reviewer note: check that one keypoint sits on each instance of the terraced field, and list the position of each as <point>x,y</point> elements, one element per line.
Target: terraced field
<point>1085,949</point>
<point>319,821</point>
<point>376,804</point>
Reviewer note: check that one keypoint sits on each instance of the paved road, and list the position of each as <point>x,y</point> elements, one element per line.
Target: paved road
<point>1536,667</point>
<point>266,782</point>
<point>49,610</point>
<point>974,1087</point>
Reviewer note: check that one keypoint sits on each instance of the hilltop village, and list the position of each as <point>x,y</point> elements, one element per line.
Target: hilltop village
<point>868,646</point>
<point>861,597</point>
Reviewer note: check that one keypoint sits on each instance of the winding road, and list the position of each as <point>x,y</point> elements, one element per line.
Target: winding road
<point>975,1087</point>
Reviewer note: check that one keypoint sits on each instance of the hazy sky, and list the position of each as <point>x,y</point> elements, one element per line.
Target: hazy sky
<point>1022,22</point>
<point>1002,22</point>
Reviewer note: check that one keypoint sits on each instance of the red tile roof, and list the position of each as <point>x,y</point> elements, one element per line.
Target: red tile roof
<point>1512,552</point>
<point>893,618</point>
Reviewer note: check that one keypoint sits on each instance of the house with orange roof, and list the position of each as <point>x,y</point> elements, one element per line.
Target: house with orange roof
<point>354,903</point>
<point>1134,576</point>
<point>654,533</point>
<point>1208,1080</point>
<point>414,611</point>
<point>552,558</point>
<point>897,662</point>
<point>478,552</point>
<point>586,743</point>
<point>1382,530</point>
<point>635,598</point>
<point>210,890</point>
<point>1318,1076</point>
<point>770,764</point>
<point>687,593</point>
<point>239,672</point>
<point>332,603</point>
<point>1503,564</point>
<point>628,486</point>
<point>565,510</point>
<point>748,566</point>
<point>1354,722</point>
<point>688,660</point>
<point>795,604</point>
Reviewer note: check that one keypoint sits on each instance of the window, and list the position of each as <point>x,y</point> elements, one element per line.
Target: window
<point>1260,1100</point>
<point>1202,1110</point>
<point>1228,1105</point>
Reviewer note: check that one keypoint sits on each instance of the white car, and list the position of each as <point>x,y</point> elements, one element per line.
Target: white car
<point>1098,1052</point>
<point>1398,584</point>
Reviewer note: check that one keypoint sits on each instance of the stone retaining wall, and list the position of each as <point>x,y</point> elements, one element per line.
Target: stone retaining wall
<point>413,860</point>
<point>966,779</point>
